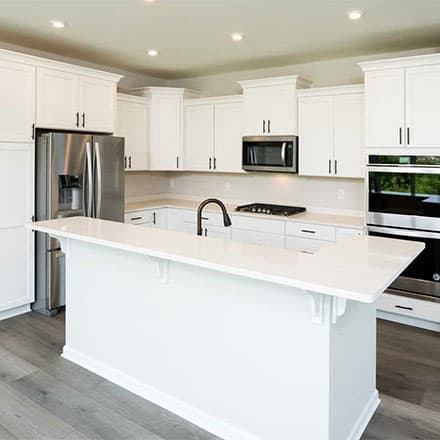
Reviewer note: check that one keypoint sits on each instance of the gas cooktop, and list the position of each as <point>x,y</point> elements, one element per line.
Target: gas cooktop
<point>266,208</point>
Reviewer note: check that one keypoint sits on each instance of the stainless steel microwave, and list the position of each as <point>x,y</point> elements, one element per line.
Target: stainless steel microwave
<point>270,153</point>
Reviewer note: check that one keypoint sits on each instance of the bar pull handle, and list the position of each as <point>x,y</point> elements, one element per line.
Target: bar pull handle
<point>400,135</point>
<point>403,307</point>
<point>177,162</point>
<point>264,126</point>
<point>33,131</point>
<point>268,126</point>
<point>136,218</point>
<point>329,166</point>
<point>84,120</point>
<point>206,232</point>
<point>125,162</point>
<point>215,163</point>
<point>77,119</point>
<point>407,136</point>
<point>129,162</point>
<point>154,218</point>
<point>336,166</point>
<point>210,163</point>
<point>308,231</point>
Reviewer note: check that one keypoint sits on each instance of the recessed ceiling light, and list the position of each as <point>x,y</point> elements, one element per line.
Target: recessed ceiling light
<point>355,15</point>
<point>153,52</point>
<point>58,24</point>
<point>236,36</point>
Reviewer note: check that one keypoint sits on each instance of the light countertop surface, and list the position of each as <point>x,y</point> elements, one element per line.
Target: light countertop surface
<point>359,268</point>
<point>306,217</point>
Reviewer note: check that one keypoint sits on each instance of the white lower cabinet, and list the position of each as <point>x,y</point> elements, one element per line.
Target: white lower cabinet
<point>305,245</point>
<point>138,217</point>
<point>16,243</point>
<point>348,232</point>
<point>175,219</point>
<point>159,218</point>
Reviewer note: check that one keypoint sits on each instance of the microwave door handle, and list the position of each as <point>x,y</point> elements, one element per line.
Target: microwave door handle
<point>283,153</point>
<point>255,156</point>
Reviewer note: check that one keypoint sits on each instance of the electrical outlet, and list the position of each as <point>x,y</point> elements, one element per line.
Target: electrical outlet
<point>341,194</point>
<point>227,187</point>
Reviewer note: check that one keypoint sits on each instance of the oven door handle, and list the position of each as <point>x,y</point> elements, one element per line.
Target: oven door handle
<point>404,169</point>
<point>404,232</point>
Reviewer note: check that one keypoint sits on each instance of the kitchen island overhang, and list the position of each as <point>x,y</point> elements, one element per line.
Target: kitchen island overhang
<point>248,342</point>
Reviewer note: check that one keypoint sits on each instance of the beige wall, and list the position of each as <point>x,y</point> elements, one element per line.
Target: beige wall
<point>311,192</point>
<point>322,73</point>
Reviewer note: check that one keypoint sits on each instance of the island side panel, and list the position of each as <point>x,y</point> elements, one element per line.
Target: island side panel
<point>353,394</point>
<point>239,357</point>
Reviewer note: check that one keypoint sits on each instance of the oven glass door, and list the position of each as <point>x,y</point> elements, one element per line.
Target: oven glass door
<point>404,191</point>
<point>270,155</point>
<point>422,276</point>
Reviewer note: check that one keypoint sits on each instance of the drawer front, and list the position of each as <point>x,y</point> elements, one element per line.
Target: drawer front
<point>209,218</point>
<point>305,245</point>
<point>259,238</point>
<point>347,232</point>
<point>258,224</point>
<point>412,307</point>
<point>314,232</point>
<point>137,217</point>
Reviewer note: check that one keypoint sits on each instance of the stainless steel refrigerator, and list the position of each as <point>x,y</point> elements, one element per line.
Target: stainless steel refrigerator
<point>76,175</point>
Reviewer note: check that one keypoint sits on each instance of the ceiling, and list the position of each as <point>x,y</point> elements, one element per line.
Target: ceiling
<point>193,36</point>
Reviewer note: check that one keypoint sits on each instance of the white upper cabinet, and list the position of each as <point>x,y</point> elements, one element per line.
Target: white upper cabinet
<point>228,135</point>
<point>423,106</point>
<point>72,101</point>
<point>402,102</point>
<point>57,99</point>
<point>331,131</point>
<point>97,102</point>
<point>17,93</point>
<point>166,125</point>
<point>270,105</point>
<point>132,124</point>
<point>316,131</point>
<point>198,150</point>
<point>213,134</point>
<point>385,108</point>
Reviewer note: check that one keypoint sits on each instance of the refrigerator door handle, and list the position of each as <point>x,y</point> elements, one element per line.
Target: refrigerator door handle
<point>89,180</point>
<point>98,180</point>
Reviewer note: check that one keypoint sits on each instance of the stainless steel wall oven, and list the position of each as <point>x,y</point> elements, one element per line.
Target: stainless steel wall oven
<point>403,197</point>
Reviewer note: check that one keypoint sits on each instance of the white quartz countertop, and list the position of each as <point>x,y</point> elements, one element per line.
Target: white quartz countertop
<point>359,268</point>
<point>306,217</point>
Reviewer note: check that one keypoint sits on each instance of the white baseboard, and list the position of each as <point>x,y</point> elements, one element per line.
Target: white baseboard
<point>365,417</point>
<point>170,403</point>
<point>15,312</point>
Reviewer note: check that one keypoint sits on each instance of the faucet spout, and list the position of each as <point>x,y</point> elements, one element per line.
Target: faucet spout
<point>226,219</point>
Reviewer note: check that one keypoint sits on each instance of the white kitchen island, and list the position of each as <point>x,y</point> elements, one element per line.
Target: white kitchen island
<point>248,342</point>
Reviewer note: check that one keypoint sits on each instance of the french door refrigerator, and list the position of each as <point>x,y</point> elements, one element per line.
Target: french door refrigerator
<point>76,175</point>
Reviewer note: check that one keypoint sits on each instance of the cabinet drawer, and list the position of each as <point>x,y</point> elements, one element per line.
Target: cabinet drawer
<point>305,245</point>
<point>259,238</point>
<point>415,308</point>
<point>315,232</point>
<point>209,218</point>
<point>346,232</point>
<point>258,224</point>
<point>137,217</point>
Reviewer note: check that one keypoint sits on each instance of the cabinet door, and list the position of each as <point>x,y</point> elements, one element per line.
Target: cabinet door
<point>349,135</point>
<point>423,107</point>
<point>159,218</point>
<point>385,108</point>
<point>132,124</point>
<point>97,105</point>
<point>175,219</point>
<point>282,109</point>
<point>16,243</point>
<point>316,135</point>
<point>198,153</point>
<point>254,111</point>
<point>166,132</point>
<point>17,93</point>
<point>228,136</point>
<point>57,99</point>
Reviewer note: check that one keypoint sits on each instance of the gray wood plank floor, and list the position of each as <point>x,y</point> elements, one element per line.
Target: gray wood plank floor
<point>45,397</point>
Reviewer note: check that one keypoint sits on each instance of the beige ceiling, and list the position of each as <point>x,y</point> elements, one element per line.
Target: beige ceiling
<point>193,36</point>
